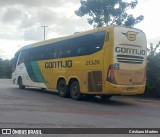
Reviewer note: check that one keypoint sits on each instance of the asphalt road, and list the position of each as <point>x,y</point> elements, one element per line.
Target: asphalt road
<point>33,108</point>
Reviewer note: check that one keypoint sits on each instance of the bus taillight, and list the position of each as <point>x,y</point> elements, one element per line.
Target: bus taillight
<point>110,74</point>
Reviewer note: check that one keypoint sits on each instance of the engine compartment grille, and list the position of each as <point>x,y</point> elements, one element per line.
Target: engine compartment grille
<point>130,59</point>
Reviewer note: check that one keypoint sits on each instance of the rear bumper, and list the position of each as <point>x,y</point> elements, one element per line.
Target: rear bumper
<point>124,89</point>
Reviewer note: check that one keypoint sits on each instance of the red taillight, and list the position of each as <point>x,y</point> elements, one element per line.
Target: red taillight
<point>110,75</point>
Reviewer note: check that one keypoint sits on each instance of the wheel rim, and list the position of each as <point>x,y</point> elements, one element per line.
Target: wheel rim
<point>75,90</point>
<point>61,88</point>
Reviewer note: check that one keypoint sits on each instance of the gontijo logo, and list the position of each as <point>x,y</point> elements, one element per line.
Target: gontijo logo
<point>131,35</point>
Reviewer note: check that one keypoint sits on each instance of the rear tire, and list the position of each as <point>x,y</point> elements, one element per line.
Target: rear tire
<point>20,83</point>
<point>75,91</point>
<point>62,89</point>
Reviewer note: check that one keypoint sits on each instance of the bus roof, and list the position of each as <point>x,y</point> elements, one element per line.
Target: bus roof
<point>41,43</point>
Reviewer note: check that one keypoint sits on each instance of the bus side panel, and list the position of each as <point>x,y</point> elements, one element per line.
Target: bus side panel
<point>108,59</point>
<point>54,69</point>
<point>70,68</point>
<point>93,78</point>
<point>49,74</point>
<point>31,74</point>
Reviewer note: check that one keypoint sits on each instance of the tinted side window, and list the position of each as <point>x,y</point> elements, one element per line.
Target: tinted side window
<point>95,42</point>
<point>37,53</point>
<point>23,56</point>
<point>89,44</point>
<point>83,45</point>
<point>51,51</point>
<point>79,46</point>
<point>14,61</point>
<point>66,49</point>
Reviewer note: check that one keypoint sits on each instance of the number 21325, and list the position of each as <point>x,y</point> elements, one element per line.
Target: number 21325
<point>92,62</point>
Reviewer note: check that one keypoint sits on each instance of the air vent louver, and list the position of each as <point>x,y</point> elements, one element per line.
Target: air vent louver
<point>130,59</point>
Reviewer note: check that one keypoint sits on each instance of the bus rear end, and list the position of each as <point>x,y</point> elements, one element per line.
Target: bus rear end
<point>127,73</point>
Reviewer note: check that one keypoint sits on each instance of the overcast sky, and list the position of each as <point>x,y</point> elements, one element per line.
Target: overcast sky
<point>21,21</point>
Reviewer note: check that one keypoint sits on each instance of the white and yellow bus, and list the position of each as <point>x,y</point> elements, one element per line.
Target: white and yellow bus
<point>105,61</point>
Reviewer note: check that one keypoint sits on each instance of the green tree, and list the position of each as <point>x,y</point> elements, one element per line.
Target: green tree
<point>5,69</point>
<point>153,72</point>
<point>108,12</point>
<point>1,67</point>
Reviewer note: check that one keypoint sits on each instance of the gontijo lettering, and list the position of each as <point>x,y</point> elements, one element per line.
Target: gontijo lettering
<point>59,64</point>
<point>130,51</point>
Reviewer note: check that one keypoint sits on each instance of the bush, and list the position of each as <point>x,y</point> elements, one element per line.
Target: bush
<point>5,69</point>
<point>153,72</point>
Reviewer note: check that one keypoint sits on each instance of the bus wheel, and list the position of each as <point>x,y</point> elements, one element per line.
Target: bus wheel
<point>62,89</point>
<point>21,86</point>
<point>106,97</point>
<point>75,91</point>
